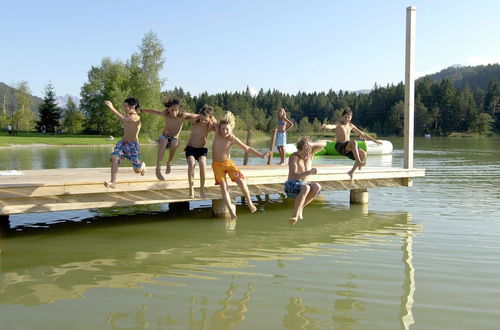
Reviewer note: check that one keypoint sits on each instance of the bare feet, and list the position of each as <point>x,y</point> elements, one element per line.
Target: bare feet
<point>109,184</point>
<point>158,174</point>
<point>361,164</point>
<point>280,164</point>
<point>143,168</point>
<point>202,193</point>
<point>293,220</point>
<point>191,192</point>
<point>251,207</point>
<point>168,170</point>
<point>351,175</point>
<point>232,212</point>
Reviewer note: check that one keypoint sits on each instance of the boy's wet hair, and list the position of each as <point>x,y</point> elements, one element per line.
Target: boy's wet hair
<point>302,142</point>
<point>228,119</point>
<point>133,102</point>
<point>171,102</point>
<point>347,111</point>
<point>207,111</point>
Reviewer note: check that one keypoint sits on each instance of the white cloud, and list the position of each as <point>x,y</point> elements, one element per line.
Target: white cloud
<point>253,91</point>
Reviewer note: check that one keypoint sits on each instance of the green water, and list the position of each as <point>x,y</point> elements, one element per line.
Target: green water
<point>425,257</point>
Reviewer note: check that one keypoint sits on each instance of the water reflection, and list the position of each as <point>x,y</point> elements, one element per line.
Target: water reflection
<point>175,255</point>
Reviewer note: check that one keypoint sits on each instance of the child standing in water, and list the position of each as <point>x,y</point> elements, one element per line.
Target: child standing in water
<point>195,150</point>
<point>284,125</point>
<point>346,147</point>
<point>128,146</point>
<point>299,168</point>
<point>174,119</point>
<point>222,163</point>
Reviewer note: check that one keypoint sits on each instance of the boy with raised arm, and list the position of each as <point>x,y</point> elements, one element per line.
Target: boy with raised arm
<point>168,139</point>
<point>346,147</point>
<point>299,168</point>
<point>128,146</point>
<point>222,163</point>
<point>195,150</point>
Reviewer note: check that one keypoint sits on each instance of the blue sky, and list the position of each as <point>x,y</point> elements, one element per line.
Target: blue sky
<point>227,45</point>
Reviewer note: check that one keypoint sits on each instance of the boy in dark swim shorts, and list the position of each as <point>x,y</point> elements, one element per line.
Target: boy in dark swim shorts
<point>347,147</point>
<point>201,125</point>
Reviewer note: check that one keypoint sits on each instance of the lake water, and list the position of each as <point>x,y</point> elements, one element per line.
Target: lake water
<point>426,257</point>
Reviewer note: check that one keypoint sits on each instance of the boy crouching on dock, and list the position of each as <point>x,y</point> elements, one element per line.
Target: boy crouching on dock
<point>299,168</point>
<point>222,163</point>
<point>128,146</point>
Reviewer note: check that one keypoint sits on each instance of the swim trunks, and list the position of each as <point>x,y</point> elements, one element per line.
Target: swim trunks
<point>196,152</point>
<point>292,187</point>
<point>129,150</point>
<point>340,147</point>
<point>170,140</point>
<point>221,168</point>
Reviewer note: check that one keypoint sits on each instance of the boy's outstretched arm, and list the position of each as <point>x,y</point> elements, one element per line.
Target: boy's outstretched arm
<point>250,149</point>
<point>329,126</point>
<point>317,146</point>
<point>366,136</point>
<point>116,112</point>
<point>154,112</point>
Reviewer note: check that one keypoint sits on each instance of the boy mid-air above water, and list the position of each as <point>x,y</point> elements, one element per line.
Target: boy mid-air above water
<point>222,163</point>
<point>128,146</point>
<point>346,147</point>
<point>299,168</point>
<point>195,150</point>
<point>168,139</point>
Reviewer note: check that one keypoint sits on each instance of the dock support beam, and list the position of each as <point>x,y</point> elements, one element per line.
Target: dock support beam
<point>219,209</point>
<point>4,225</point>
<point>409,121</point>
<point>359,196</point>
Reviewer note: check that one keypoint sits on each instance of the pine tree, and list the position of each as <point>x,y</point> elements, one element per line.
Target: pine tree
<point>48,111</point>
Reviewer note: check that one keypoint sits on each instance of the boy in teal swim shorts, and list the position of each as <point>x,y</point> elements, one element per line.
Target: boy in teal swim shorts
<point>299,168</point>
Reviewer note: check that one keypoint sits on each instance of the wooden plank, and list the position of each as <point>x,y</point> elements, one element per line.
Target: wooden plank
<point>72,189</point>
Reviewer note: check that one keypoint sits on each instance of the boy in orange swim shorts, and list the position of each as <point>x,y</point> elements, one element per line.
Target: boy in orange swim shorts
<point>222,163</point>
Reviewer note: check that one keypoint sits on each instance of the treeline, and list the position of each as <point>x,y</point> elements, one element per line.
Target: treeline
<point>440,107</point>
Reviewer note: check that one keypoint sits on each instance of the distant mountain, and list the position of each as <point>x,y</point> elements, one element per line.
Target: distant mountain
<point>63,100</point>
<point>8,94</point>
<point>473,76</point>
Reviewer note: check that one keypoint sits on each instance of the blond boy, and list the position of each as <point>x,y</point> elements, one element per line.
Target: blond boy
<point>222,163</point>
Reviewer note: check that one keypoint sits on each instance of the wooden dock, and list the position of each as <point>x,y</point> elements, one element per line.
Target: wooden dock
<point>82,188</point>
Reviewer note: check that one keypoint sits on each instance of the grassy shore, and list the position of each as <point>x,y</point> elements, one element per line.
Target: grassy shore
<point>30,138</point>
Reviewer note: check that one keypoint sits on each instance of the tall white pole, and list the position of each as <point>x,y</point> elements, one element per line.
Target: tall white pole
<point>409,87</point>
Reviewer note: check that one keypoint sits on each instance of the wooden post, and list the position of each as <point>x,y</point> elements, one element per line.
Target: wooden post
<point>273,142</point>
<point>248,141</point>
<point>4,225</point>
<point>359,196</point>
<point>409,120</point>
<point>219,209</point>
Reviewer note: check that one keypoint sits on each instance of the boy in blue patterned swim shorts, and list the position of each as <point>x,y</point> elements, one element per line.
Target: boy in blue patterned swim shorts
<point>128,146</point>
<point>299,168</point>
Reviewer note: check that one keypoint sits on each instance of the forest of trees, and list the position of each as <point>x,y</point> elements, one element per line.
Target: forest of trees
<point>465,100</point>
